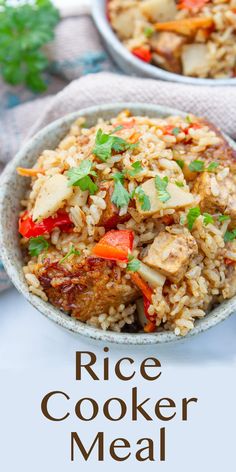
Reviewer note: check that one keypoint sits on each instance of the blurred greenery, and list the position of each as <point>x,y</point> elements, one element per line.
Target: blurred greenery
<point>24,30</point>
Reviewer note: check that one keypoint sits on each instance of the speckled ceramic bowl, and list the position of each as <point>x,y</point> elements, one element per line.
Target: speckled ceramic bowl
<point>134,66</point>
<point>12,190</point>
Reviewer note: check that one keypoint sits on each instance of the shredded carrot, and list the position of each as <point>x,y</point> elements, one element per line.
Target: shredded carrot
<point>187,26</point>
<point>134,138</point>
<point>144,287</point>
<point>29,172</point>
<point>229,261</point>
<point>149,327</point>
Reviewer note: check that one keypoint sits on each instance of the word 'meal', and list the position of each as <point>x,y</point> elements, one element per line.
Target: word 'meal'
<point>115,409</point>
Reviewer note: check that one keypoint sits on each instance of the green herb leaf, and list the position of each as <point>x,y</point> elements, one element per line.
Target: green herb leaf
<point>106,143</point>
<point>143,199</point>
<point>80,177</point>
<point>212,166</point>
<point>71,252</point>
<point>118,128</point>
<point>133,264</point>
<point>148,32</point>
<point>196,166</point>
<point>230,236</point>
<point>207,218</point>
<point>120,196</point>
<point>222,218</point>
<point>24,30</point>
<point>179,184</point>
<point>37,245</point>
<point>137,168</point>
<point>192,215</point>
<point>180,163</point>
<point>188,119</point>
<point>161,186</point>
<point>176,131</point>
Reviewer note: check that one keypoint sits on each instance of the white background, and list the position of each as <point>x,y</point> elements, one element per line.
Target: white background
<point>37,356</point>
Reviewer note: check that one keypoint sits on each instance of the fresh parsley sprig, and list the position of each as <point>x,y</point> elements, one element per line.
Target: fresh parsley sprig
<point>120,196</point>
<point>71,252</point>
<point>161,186</point>
<point>207,219</point>
<point>143,199</point>
<point>80,177</point>
<point>199,166</point>
<point>192,215</point>
<point>105,144</point>
<point>37,245</point>
<point>136,169</point>
<point>133,264</point>
<point>230,236</point>
<point>24,30</point>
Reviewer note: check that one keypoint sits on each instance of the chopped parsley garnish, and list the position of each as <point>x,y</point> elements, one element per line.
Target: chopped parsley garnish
<point>148,32</point>
<point>118,128</point>
<point>196,166</point>
<point>212,166</point>
<point>179,184</point>
<point>120,196</point>
<point>192,215</point>
<point>37,245</point>
<point>230,236</point>
<point>222,218</point>
<point>199,166</point>
<point>80,177</point>
<point>143,199</point>
<point>176,131</point>
<point>136,169</point>
<point>161,186</point>
<point>71,252</point>
<point>106,143</point>
<point>207,219</point>
<point>180,163</point>
<point>133,264</point>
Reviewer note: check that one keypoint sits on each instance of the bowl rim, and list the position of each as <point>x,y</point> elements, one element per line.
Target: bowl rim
<point>149,70</point>
<point>217,315</point>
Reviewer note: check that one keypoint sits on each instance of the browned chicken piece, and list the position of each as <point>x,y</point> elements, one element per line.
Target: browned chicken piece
<point>171,254</point>
<point>81,290</point>
<point>110,216</point>
<point>223,151</point>
<point>166,49</point>
<point>216,197</point>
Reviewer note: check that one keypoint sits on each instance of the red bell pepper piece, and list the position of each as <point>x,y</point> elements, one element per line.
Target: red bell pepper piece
<point>191,4</point>
<point>229,262</point>
<point>115,245</point>
<point>144,287</point>
<point>29,228</point>
<point>150,327</point>
<point>143,54</point>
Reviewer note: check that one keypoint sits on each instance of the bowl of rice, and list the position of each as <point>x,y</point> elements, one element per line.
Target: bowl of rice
<point>188,41</point>
<point>118,222</point>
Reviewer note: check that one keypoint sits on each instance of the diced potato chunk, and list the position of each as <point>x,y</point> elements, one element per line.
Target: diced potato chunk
<point>124,22</point>
<point>51,197</point>
<point>179,198</point>
<point>154,278</point>
<point>195,60</point>
<point>171,254</point>
<point>159,10</point>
